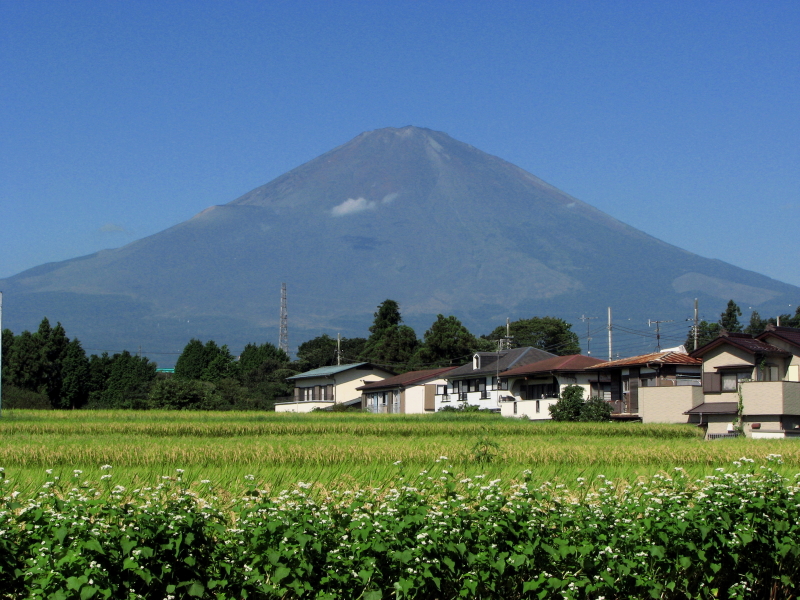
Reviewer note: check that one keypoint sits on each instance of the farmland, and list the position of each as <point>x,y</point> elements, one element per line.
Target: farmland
<point>123,504</point>
<point>351,449</point>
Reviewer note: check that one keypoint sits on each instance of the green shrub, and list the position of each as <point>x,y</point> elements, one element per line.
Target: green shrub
<point>14,397</point>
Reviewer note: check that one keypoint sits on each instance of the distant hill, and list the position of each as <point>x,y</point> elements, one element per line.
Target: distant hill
<point>409,214</point>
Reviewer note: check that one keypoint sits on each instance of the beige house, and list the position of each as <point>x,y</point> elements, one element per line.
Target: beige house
<point>762,372</point>
<point>326,386</point>
<point>415,392</point>
<point>533,388</point>
<point>654,388</point>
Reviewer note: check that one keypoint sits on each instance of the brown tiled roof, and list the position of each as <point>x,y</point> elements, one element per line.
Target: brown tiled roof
<point>743,341</point>
<point>406,379</point>
<point>668,357</point>
<point>718,408</point>
<point>572,362</point>
<point>789,334</point>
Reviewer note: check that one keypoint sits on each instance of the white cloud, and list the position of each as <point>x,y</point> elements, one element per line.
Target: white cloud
<point>389,198</point>
<point>351,206</point>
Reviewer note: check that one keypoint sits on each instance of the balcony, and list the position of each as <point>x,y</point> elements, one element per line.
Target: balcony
<point>771,397</point>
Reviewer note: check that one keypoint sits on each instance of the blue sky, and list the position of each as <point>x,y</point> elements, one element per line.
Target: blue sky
<point>121,119</point>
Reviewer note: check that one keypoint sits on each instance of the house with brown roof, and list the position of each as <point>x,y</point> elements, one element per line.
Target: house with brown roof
<point>751,381</point>
<point>479,382</point>
<point>654,388</point>
<point>415,392</point>
<point>534,387</point>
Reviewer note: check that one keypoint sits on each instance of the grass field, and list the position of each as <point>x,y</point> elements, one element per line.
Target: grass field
<point>352,450</point>
<point>155,505</point>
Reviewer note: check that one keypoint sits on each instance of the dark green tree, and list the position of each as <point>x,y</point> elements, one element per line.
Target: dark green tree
<point>447,342</point>
<point>729,319</point>
<point>757,325</point>
<point>386,317</point>
<point>393,348</point>
<point>546,333</point>
<point>353,349</point>
<point>129,381</point>
<point>7,345</point>
<point>192,361</point>
<point>391,343</point>
<point>788,320</point>
<point>316,353</point>
<point>220,363</point>
<point>180,394</point>
<point>99,372</point>
<point>569,405</point>
<point>74,376</point>
<point>252,357</point>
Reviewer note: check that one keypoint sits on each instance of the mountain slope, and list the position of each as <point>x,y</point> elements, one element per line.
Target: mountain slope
<point>409,214</point>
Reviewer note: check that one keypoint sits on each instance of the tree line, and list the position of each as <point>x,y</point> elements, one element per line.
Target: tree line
<point>47,369</point>
<point>729,321</point>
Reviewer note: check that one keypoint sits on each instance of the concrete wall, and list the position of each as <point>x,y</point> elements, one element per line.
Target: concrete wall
<point>771,398</point>
<point>300,407</point>
<point>527,409</point>
<point>718,423</point>
<point>667,404</point>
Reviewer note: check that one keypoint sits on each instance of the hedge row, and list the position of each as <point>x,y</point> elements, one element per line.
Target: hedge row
<point>731,535</point>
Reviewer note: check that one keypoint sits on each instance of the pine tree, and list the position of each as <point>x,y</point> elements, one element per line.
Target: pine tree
<point>729,319</point>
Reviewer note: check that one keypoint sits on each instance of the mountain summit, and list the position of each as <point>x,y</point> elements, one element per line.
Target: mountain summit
<point>409,214</point>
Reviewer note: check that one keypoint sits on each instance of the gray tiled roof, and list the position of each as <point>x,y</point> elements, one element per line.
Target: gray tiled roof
<point>508,360</point>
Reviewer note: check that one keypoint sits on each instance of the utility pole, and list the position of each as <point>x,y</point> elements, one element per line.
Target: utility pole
<point>338,348</point>
<point>696,324</point>
<point>283,339</point>
<point>609,333</point>
<point>588,333</point>
<point>658,332</point>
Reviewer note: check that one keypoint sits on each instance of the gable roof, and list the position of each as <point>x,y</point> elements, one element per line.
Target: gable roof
<point>787,334</point>
<point>743,341</point>
<point>508,359</point>
<point>333,370</point>
<point>571,362</point>
<point>668,357</point>
<point>406,379</point>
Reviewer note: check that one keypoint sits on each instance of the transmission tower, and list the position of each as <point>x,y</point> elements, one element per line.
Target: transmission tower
<point>283,342</point>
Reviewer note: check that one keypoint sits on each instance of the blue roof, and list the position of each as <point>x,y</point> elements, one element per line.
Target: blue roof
<point>327,371</point>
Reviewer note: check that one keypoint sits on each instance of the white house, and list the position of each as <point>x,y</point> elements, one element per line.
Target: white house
<point>414,392</point>
<point>326,386</point>
<point>533,388</point>
<point>479,383</point>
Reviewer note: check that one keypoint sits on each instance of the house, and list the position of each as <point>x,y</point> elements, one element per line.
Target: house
<point>326,386</point>
<point>752,381</point>
<point>478,382</point>
<point>534,387</point>
<point>655,388</point>
<point>414,392</point>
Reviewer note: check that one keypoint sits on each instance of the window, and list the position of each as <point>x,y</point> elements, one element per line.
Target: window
<point>732,379</point>
<point>768,373</point>
<point>441,390</point>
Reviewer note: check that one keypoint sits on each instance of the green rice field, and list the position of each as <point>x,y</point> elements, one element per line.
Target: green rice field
<point>355,450</point>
